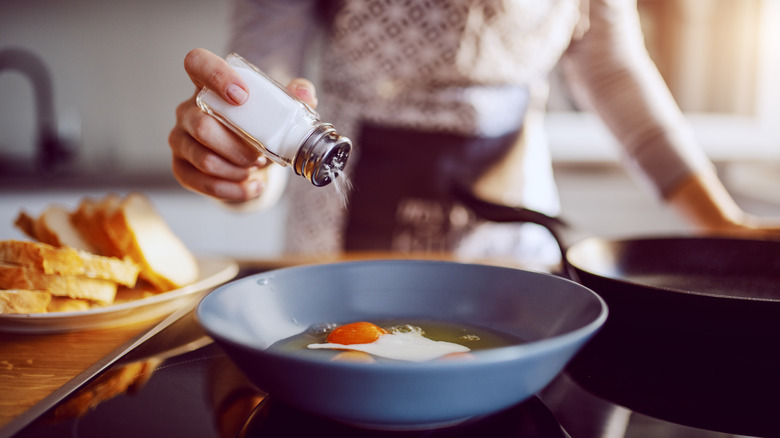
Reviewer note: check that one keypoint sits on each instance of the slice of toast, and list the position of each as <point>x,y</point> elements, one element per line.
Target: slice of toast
<point>141,290</point>
<point>23,277</point>
<point>65,304</point>
<point>24,301</point>
<point>68,261</point>
<point>90,220</point>
<point>54,226</point>
<point>141,233</point>
<point>26,224</point>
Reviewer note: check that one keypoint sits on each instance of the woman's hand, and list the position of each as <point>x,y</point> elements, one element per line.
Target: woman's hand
<point>207,157</point>
<point>704,201</point>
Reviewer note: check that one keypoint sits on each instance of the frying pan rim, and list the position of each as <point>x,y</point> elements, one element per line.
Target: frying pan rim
<point>614,241</point>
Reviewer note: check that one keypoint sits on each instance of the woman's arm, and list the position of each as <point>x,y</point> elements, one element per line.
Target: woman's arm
<point>623,85</point>
<point>704,201</point>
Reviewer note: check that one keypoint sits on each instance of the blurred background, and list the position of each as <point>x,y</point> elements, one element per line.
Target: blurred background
<point>116,68</point>
<point>116,77</point>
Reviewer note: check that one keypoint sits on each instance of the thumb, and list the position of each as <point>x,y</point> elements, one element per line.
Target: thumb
<point>209,70</point>
<point>304,90</point>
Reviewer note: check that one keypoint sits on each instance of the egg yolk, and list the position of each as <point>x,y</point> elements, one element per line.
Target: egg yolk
<point>356,333</point>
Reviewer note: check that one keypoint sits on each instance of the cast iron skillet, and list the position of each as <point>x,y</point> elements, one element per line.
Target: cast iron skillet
<point>693,334</point>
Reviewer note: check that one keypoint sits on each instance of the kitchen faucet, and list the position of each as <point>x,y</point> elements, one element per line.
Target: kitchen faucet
<point>52,152</point>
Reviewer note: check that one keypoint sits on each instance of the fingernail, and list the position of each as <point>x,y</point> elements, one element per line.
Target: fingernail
<point>304,93</point>
<point>255,187</point>
<point>237,94</point>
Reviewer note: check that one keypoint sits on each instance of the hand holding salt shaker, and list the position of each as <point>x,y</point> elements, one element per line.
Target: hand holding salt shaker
<point>280,126</point>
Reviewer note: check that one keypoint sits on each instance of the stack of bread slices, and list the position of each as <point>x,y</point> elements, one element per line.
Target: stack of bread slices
<point>105,251</point>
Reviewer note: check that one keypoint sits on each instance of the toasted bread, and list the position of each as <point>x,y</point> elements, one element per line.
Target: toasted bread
<point>90,220</point>
<point>140,232</point>
<point>22,277</point>
<point>54,227</point>
<point>68,261</point>
<point>26,224</point>
<point>140,291</point>
<point>81,259</point>
<point>65,304</point>
<point>24,301</point>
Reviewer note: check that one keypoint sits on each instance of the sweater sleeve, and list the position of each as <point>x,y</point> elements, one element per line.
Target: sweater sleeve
<point>610,64</point>
<point>275,35</point>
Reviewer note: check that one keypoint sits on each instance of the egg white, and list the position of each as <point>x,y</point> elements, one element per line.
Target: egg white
<point>411,346</point>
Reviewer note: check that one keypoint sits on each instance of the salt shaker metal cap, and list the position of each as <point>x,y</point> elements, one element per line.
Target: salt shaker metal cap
<point>323,155</point>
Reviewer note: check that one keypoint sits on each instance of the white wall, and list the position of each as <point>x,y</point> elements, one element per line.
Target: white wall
<point>117,67</point>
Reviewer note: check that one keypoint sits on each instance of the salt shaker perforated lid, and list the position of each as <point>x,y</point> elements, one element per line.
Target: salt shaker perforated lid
<point>281,126</point>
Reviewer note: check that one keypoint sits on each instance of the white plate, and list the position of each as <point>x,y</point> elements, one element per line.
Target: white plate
<point>213,272</point>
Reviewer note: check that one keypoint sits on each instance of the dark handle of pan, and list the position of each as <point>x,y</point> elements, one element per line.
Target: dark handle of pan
<point>564,234</point>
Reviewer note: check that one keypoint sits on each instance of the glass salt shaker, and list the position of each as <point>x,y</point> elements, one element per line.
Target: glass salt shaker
<point>281,126</point>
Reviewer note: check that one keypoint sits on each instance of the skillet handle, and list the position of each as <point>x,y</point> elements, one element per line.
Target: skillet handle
<point>564,234</point>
